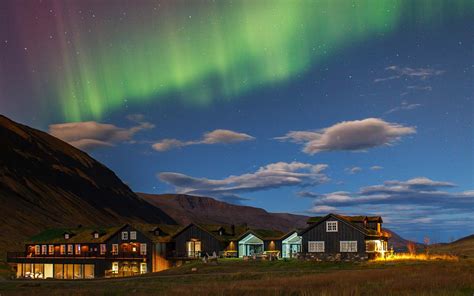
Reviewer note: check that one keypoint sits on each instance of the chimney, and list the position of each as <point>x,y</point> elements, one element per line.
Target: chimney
<point>232,229</point>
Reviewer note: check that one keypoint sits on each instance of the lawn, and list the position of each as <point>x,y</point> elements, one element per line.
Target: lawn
<point>235,277</point>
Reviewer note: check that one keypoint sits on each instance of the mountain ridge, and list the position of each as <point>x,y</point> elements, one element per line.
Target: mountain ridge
<point>45,182</point>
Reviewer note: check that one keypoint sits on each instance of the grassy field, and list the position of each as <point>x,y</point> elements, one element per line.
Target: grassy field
<point>231,277</point>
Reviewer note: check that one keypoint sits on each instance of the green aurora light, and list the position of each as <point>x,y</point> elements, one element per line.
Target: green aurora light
<point>211,51</point>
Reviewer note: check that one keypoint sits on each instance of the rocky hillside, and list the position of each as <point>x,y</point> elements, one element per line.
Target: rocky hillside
<point>45,182</point>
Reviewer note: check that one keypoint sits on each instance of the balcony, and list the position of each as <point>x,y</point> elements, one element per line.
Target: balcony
<point>11,256</point>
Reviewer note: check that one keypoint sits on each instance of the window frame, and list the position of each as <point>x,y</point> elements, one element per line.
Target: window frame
<point>115,249</point>
<point>330,228</point>
<point>315,246</point>
<point>133,235</point>
<point>103,249</point>
<point>124,235</point>
<point>70,249</point>
<point>50,249</point>
<point>143,250</point>
<point>62,249</point>
<point>348,246</point>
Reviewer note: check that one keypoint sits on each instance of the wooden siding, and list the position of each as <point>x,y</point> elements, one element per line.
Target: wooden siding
<point>332,239</point>
<point>209,243</point>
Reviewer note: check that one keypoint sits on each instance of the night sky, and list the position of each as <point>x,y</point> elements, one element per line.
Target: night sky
<point>308,107</point>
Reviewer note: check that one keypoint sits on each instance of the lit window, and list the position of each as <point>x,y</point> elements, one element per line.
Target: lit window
<point>70,249</point>
<point>315,246</point>
<point>142,268</point>
<point>96,235</point>
<point>78,249</point>
<point>348,246</point>
<point>38,250</point>
<point>66,236</point>
<point>44,249</point>
<point>114,249</point>
<point>142,249</point>
<point>51,249</point>
<point>331,226</point>
<point>103,249</point>
<point>62,249</point>
<point>115,267</point>
<point>124,235</point>
<point>133,235</point>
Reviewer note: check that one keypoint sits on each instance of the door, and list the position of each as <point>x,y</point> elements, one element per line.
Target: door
<point>193,248</point>
<point>294,249</point>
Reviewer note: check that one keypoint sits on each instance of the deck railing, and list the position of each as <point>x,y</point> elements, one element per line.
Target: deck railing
<point>108,255</point>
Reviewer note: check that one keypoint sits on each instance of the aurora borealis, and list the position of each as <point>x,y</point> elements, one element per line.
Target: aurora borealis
<point>101,58</point>
<point>349,106</point>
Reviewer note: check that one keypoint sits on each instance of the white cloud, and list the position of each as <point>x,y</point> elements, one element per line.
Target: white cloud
<point>416,191</point>
<point>353,170</point>
<point>89,135</point>
<point>275,175</point>
<point>218,136</point>
<point>354,135</point>
<point>322,209</point>
<point>376,168</point>
<point>419,73</point>
<point>403,106</point>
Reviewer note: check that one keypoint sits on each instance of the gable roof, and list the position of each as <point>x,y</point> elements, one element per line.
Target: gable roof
<point>213,230</point>
<point>85,234</point>
<point>263,234</point>
<point>77,235</point>
<point>343,219</point>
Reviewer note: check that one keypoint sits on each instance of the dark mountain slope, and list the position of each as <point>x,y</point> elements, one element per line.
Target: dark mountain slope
<point>185,209</point>
<point>45,182</point>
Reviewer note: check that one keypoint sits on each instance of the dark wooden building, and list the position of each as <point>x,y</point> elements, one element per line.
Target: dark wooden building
<point>345,237</point>
<point>198,240</point>
<point>85,253</point>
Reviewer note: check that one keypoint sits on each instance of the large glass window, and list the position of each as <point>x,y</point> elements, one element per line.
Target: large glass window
<point>78,271</point>
<point>89,271</point>
<point>38,271</point>
<point>58,271</point>
<point>69,271</point>
<point>193,248</point>
<point>48,271</point>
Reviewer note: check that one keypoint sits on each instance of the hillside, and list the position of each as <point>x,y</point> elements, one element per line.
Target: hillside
<point>45,182</point>
<point>463,247</point>
<point>186,208</point>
